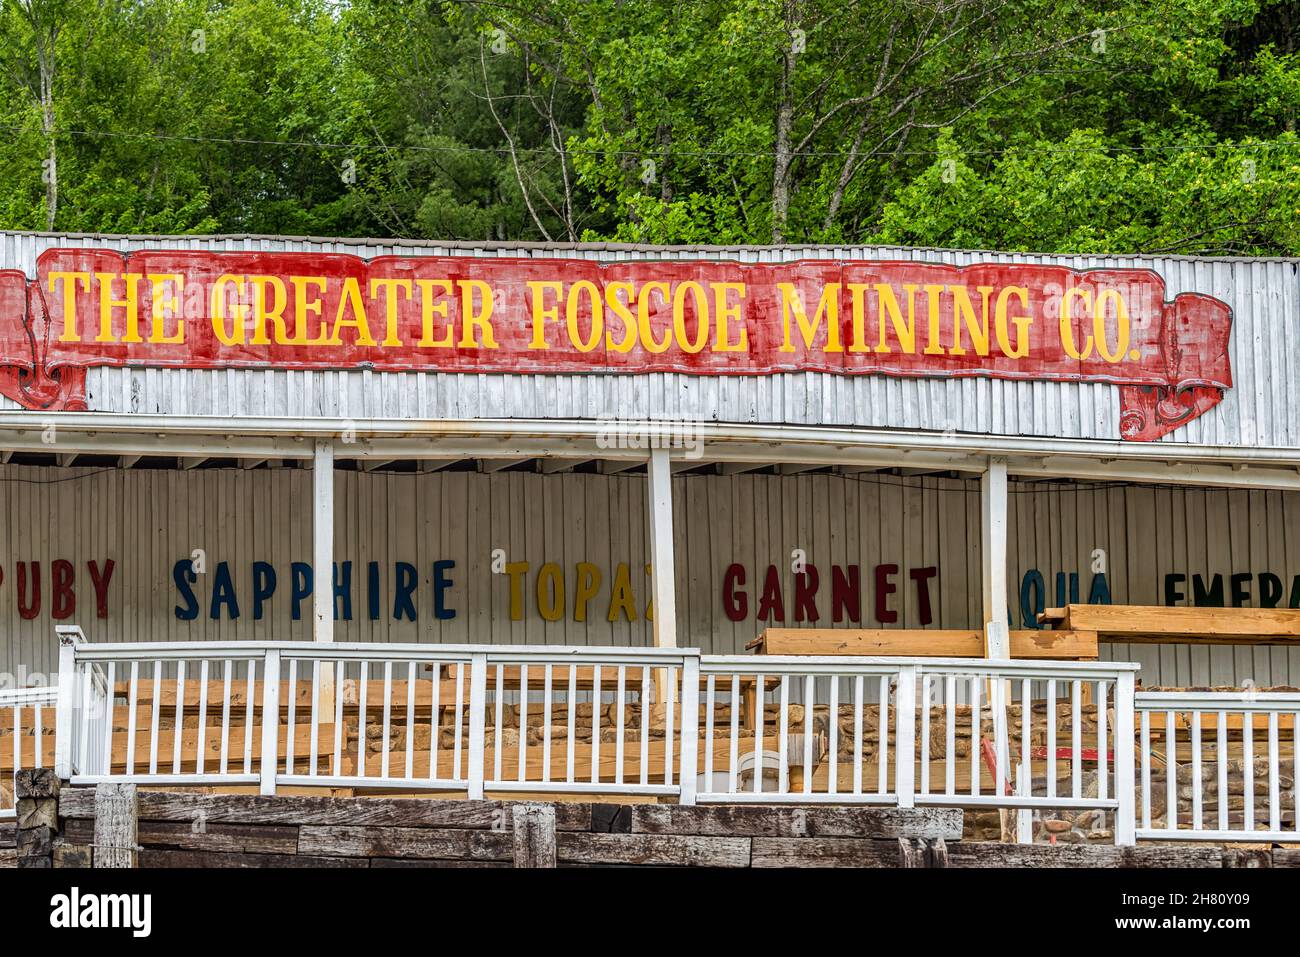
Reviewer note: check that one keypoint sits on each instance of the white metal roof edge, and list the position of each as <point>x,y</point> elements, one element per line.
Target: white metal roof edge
<point>497,246</point>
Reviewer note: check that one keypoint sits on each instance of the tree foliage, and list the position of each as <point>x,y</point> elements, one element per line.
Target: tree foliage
<point>1117,126</point>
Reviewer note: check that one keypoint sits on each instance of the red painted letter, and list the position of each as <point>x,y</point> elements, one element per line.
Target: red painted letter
<point>101,585</point>
<point>63,600</point>
<point>885,588</point>
<point>734,601</point>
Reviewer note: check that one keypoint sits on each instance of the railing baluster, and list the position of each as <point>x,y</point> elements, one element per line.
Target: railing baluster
<point>179,721</point>
<point>546,724</point>
<point>1146,770</point>
<point>783,738</point>
<point>1076,738</point>
<point>645,727</point>
<point>1248,768</point>
<point>618,726</point>
<point>924,705</point>
<point>411,673</point>
<point>1221,762</point>
<point>809,703</point>
<point>760,719</point>
<point>1197,822</point>
<point>435,722</point>
<point>225,719</point>
<point>1052,718</point>
<point>132,701</point>
<point>250,694</point>
<point>202,752</point>
<point>1026,711</point>
<point>109,701</point>
<point>456,726</point>
<point>734,744</point>
<point>499,703</point>
<point>671,681</point>
<point>291,731</point>
<point>1103,744</point>
<point>858,708</point>
<point>270,720</point>
<point>595,725</point>
<point>572,702</point>
<point>1171,772</point>
<point>521,772</point>
<point>386,740</point>
<point>976,736</point>
<point>950,742</point>
<point>1273,772</point>
<point>709,699</point>
<point>314,746</point>
<point>882,737</point>
<point>363,692</point>
<point>832,786</point>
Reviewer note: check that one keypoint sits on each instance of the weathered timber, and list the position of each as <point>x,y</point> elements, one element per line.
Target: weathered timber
<point>410,842</point>
<point>755,821</point>
<point>116,823</point>
<point>153,857</point>
<point>911,852</point>
<point>8,835</point>
<point>37,792</point>
<point>396,862</point>
<point>824,852</point>
<point>1158,623</point>
<point>200,835</point>
<point>659,850</point>
<point>73,855</point>
<point>981,854</point>
<point>1286,857</point>
<point>534,835</point>
<point>256,809</point>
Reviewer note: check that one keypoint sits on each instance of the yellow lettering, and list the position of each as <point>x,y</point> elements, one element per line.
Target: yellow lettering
<point>429,309</point>
<point>130,303</point>
<point>620,599</point>
<point>963,314</point>
<point>827,306</point>
<point>648,342</point>
<point>217,307</point>
<point>303,305</point>
<point>390,288</point>
<point>904,332</point>
<point>542,313</point>
<point>275,314</point>
<point>728,312</point>
<point>572,316</point>
<point>163,302</point>
<point>471,319</point>
<point>550,591</point>
<point>619,307</point>
<point>70,279</point>
<point>686,344</point>
<point>587,585</point>
<point>1020,322</point>
<point>1067,323</point>
<point>1121,322</point>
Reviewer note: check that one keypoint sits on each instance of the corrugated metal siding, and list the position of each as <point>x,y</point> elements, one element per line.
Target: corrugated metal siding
<point>1263,294</point>
<point>147,520</point>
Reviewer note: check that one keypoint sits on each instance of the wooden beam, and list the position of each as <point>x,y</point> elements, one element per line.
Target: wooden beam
<point>497,465</point>
<point>921,643</point>
<point>551,466</point>
<point>190,462</point>
<point>250,463</point>
<point>66,459</point>
<point>615,466</point>
<point>369,465</point>
<point>127,461</point>
<point>1157,623</point>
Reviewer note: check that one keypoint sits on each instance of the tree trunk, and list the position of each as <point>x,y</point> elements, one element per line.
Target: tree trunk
<point>782,154</point>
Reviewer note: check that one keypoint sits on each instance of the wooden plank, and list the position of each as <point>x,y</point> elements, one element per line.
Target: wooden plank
<point>989,854</point>
<point>201,835</point>
<point>408,842</point>
<point>154,857</point>
<point>1160,623</point>
<point>823,852</point>
<point>656,850</point>
<point>754,821</point>
<point>255,809</point>
<point>926,643</point>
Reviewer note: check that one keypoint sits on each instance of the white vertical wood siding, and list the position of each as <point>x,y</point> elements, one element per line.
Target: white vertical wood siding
<point>146,520</point>
<point>1264,296</point>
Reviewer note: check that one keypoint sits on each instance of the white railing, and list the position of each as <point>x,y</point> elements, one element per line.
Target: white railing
<point>671,723</point>
<point>26,715</point>
<point>1218,766</point>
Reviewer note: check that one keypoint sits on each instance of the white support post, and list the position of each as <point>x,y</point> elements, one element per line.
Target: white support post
<point>689,771</point>
<point>322,593</point>
<point>66,708</point>
<point>271,721</point>
<point>904,735</point>
<point>662,567</point>
<point>323,542</point>
<point>1125,771</point>
<point>477,726</point>
<point>993,512</point>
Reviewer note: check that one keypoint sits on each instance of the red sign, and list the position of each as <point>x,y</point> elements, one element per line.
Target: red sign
<point>250,310</point>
